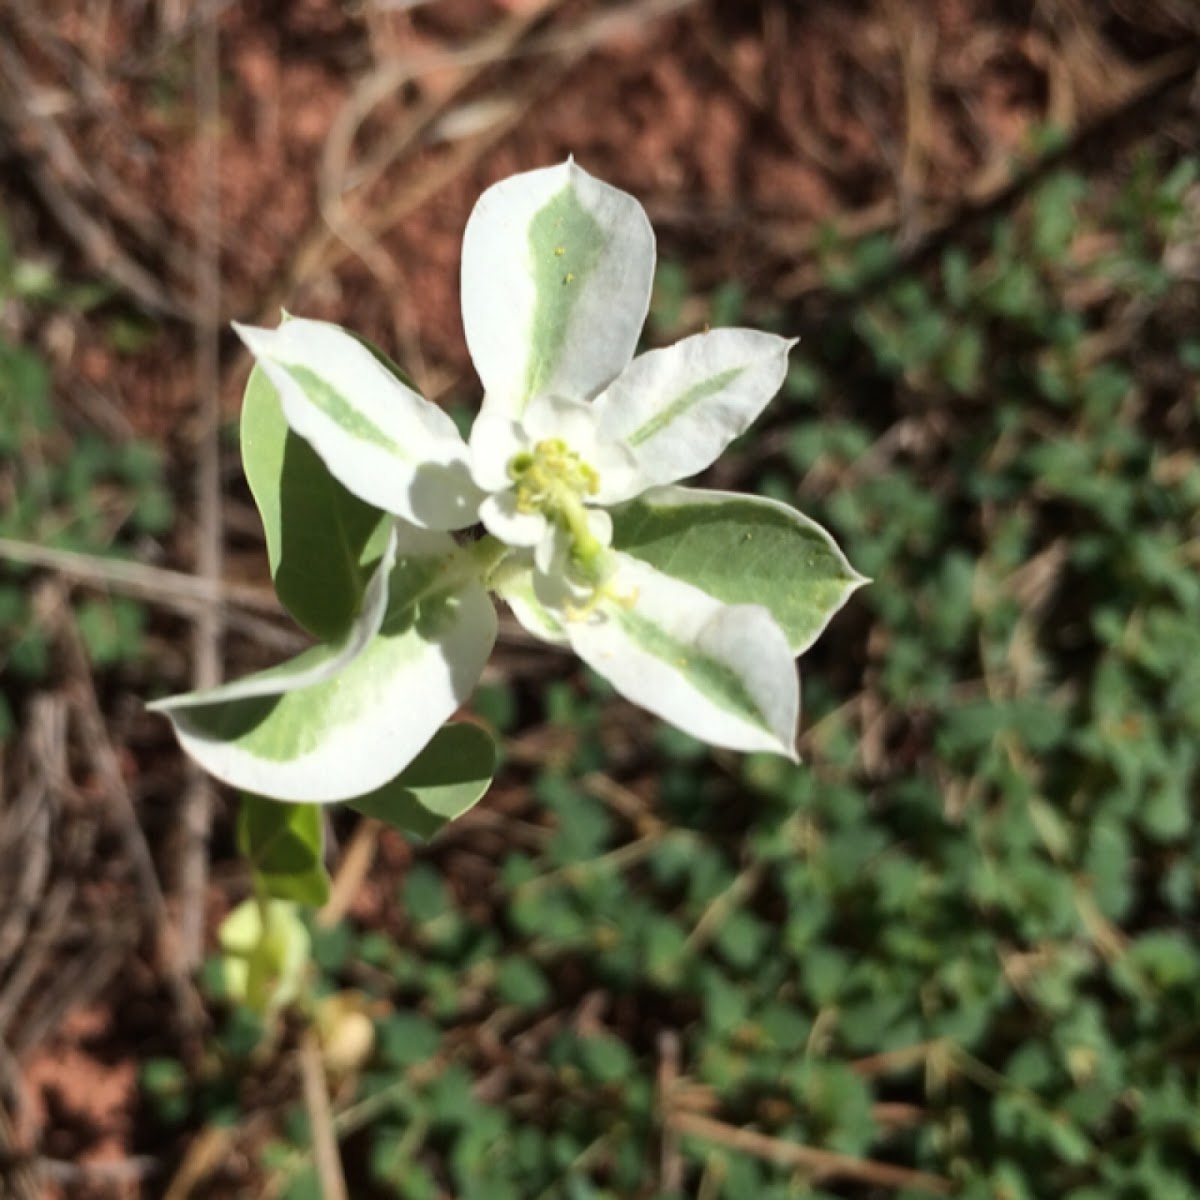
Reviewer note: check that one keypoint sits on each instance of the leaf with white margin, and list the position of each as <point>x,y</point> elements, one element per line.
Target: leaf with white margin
<point>351,733</point>
<point>445,780</point>
<point>742,550</point>
<point>320,536</point>
<point>557,269</point>
<point>677,409</point>
<point>723,673</point>
<point>315,665</point>
<point>379,438</point>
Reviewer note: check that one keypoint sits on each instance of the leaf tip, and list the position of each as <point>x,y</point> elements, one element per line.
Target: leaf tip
<point>255,338</point>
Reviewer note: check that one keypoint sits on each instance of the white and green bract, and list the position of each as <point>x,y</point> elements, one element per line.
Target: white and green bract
<point>691,603</point>
<point>343,719</point>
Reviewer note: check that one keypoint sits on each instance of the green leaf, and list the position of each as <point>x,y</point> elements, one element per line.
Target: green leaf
<point>446,779</point>
<point>963,360</point>
<point>165,1082</point>
<point>283,843</point>
<point>1109,868</point>
<point>1168,957</point>
<point>321,539</point>
<point>406,1039</point>
<point>1055,215</point>
<point>1167,813</point>
<point>839,1099</point>
<point>605,1059</point>
<point>520,982</point>
<point>741,550</point>
<point>742,940</point>
<point>424,896</point>
<point>112,629</point>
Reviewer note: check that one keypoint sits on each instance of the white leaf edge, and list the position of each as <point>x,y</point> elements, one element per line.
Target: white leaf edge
<point>405,708</point>
<point>420,473</point>
<point>659,408</point>
<point>743,638</point>
<point>499,296</point>
<point>311,667</point>
<point>675,496</point>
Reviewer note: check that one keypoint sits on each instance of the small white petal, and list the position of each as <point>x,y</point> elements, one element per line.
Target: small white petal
<point>600,526</point>
<point>515,588</point>
<point>494,441</point>
<point>502,520</point>
<point>621,477</point>
<point>558,417</point>
<point>553,553</point>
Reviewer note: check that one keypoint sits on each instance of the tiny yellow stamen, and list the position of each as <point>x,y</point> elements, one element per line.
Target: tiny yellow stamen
<point>553,480</point>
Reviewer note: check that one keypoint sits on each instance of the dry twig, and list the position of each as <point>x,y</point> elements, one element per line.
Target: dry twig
<point>54,160</point>
<point>670,1157</point>
<point>196,817</point>
<point>820,1164</point>
<point>990,192</point>
<point>16,1172</point>
<point>25,833</point>
<point>346,231</point>
<point>326,1158</point>
<point>176,591</point>
<point>86,707</point>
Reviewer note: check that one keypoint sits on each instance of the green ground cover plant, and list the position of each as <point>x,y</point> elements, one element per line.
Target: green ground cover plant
<point>62,487</point>
<point>954,941</point>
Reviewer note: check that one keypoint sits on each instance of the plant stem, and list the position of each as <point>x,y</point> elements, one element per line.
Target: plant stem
<point>326,1158</point>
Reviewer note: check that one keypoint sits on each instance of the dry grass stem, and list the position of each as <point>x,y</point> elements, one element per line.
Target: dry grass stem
<point>820,1164</point>
<point>208,631</point>
<point>320,1118</point>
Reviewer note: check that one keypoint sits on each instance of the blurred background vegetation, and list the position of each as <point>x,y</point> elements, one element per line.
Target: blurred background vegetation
<point>953,953</point>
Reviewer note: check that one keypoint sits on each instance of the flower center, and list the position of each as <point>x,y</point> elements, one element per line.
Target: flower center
<point>549,474</point>
<point>553,480</point>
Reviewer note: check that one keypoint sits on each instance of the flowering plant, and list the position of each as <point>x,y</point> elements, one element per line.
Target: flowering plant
<point>692,603</point>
